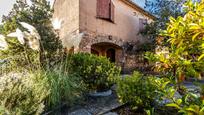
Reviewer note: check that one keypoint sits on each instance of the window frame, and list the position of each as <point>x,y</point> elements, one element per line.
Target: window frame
<point>111,11</point>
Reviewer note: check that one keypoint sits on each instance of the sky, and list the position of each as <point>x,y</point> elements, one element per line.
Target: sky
<point>6,6</point>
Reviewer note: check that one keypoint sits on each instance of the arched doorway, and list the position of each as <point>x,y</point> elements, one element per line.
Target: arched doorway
<point>95,52</point>
<point>112,51</point>
<point>110,54</point>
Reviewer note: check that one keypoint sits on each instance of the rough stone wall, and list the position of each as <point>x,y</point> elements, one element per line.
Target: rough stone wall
<point>91,38</point>
<point>128,61</point>
<point>136,62</point>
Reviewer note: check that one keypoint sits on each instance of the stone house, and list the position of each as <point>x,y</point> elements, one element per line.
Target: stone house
<point>110,28</point>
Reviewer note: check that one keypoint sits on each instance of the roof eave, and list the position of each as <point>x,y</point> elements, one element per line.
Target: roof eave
<point>135,6</point>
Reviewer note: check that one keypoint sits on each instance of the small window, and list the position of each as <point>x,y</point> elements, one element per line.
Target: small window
<point>142,24</point>
<point>105,10</point>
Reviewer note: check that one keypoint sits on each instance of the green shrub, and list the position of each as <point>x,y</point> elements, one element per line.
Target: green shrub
<point>23,93</point>
<point>64,89</point>
<point>97,72</point>
<point>183,41</point>
<point>140,91</point>
<point>189,104</point>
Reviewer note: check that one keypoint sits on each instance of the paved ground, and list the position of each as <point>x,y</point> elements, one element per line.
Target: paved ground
<point>97,106</point>
<point>102,105</point>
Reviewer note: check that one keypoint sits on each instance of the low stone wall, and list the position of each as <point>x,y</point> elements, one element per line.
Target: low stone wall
<point>136,62</point>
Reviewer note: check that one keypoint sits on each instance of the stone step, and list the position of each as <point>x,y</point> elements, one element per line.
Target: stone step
<point>97,106</point>
<point>80,112</point>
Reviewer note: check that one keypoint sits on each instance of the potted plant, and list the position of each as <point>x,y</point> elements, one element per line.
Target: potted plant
<point>98,73</point>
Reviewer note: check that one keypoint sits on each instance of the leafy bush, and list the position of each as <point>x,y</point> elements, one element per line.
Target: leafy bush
<point>23,93</point>
<point>97,72</point>
<point>140,91</point>
<point>64,89</point>
<point>184,35</point>
<point>189,104</point>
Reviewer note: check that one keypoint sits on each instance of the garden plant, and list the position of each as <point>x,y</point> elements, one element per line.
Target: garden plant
<point>98,73</point>
<point>30,84</point>
<point>178,56</point>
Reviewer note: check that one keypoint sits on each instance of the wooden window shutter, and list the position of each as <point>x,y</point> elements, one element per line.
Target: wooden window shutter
<point>112,15</point>
<point>103,9</point>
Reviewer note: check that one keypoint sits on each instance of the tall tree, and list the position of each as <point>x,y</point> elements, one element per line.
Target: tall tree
<point>39,15</point>
<point>162,9</point>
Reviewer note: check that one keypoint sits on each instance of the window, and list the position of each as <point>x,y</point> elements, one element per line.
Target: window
<point>105,10</point>
<point>142,24</point>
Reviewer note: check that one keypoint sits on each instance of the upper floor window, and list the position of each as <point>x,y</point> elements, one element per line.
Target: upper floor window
<point>105,10</point>
<point>142,24</point>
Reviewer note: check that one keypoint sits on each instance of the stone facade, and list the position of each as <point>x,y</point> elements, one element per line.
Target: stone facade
<point>91,41</point>
<point>103,37</point>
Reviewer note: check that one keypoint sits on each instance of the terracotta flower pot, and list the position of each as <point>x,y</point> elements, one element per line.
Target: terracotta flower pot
<point>181,77</point>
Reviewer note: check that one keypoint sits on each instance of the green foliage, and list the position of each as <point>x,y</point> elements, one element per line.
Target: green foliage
<point>40,89</point>
<point>21,55</point>
<point>64,89</point>
<point>185,36</point>
<point>23,93</point>
<point>189,104</point>
<point>184,57</point>
<point>97,72</point>
<point>162,9</point>
<point>39,15</point>
<point>150,57</point>
<point>140,91</point>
